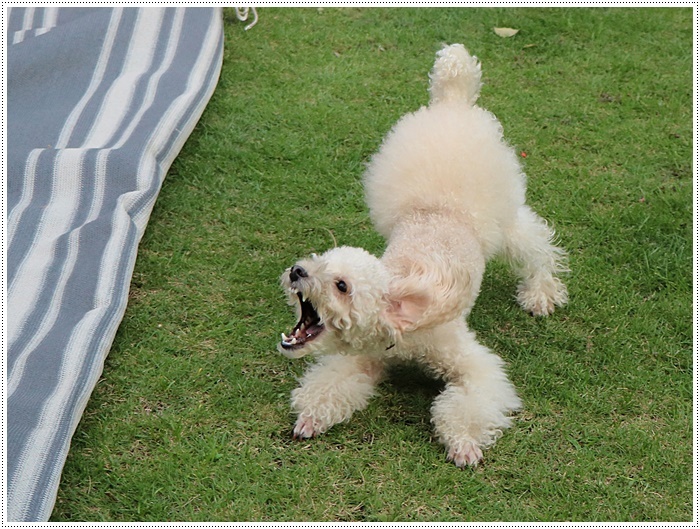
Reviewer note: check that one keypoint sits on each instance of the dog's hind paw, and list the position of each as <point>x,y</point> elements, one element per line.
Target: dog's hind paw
<point>466,454</point>
<point>539,305</point>
<point>540,297</point>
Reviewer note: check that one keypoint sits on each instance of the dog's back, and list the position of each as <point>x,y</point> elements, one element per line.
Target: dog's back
<point>449,156</point>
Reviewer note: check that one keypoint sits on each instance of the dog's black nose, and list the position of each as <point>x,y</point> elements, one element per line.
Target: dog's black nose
<point>296,272</point>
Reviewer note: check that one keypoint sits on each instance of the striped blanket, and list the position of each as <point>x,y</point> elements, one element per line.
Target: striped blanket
<point>99,103</point>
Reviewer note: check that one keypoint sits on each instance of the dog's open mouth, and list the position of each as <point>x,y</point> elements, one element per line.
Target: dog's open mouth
<point>308,328</point>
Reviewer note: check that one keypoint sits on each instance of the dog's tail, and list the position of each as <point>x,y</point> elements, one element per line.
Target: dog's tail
<point>456,76</point>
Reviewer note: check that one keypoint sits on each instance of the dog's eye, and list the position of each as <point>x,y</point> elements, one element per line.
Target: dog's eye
<point>341,285</point>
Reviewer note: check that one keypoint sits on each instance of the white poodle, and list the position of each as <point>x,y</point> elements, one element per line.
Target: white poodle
<point>448,194</point>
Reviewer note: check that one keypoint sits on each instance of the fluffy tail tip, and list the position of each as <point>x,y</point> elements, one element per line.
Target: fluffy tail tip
<point>456,75</point>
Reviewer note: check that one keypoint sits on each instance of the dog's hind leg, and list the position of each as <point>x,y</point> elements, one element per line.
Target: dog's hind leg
<point>475,406</point>
<point>537,260</point>
<point>332,390</point>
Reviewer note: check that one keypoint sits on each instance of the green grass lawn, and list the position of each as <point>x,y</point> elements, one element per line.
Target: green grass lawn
<point>191,419</point>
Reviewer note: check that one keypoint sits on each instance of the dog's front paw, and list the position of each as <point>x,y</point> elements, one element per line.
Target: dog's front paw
<point>305,428</point>
<point>465,454</point>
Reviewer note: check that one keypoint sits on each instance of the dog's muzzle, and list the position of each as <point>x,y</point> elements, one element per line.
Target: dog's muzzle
<point>309,326</point>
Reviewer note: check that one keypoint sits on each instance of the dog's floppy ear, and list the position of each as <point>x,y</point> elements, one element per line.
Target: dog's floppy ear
<point>406,306</point>
<point>429,297</point>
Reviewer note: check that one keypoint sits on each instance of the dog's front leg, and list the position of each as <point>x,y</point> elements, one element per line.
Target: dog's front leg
<point>475,406</point>
<point>332,390</point>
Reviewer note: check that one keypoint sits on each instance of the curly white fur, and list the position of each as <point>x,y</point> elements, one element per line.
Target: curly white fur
<point>448,193</point>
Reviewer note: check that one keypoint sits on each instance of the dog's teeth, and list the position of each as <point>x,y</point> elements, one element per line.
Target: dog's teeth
<point>293,341</point>
<point>285,338</point>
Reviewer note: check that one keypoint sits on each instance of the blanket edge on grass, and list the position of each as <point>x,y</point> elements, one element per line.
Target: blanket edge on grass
<point>99,103</point>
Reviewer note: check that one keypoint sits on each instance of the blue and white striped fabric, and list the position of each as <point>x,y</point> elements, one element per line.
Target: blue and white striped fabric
<point>99,103</point>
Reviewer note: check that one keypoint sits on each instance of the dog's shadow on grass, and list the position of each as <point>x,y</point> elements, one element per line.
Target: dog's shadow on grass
<point>408,393</point>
